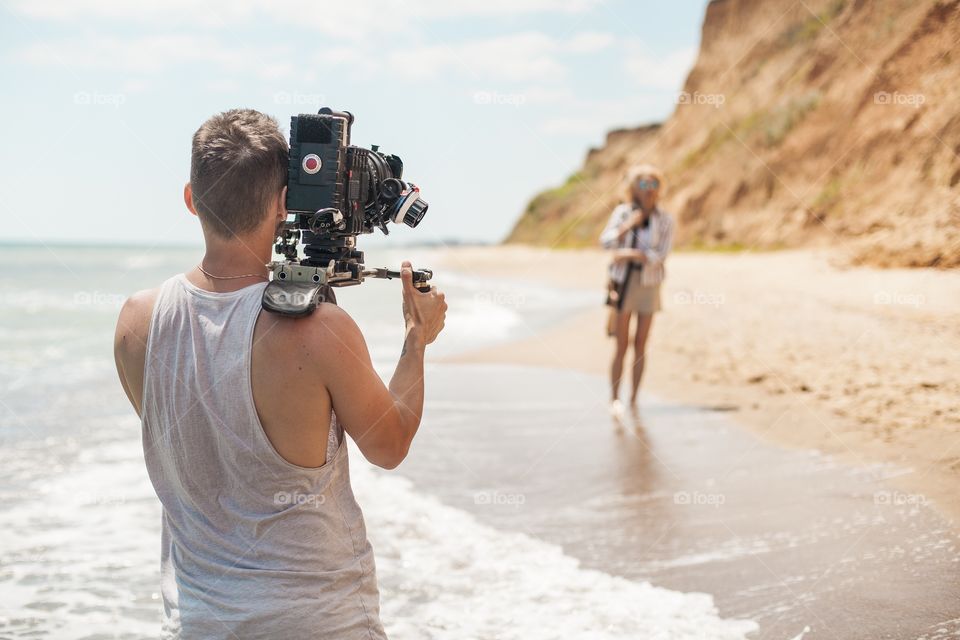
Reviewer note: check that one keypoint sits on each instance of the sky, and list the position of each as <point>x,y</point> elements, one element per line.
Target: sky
<point>486,101</point>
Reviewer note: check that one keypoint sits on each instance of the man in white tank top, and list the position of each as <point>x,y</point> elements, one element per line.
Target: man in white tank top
<point>243,414</point>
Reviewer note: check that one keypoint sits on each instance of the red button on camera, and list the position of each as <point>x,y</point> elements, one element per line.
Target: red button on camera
<point>311,163</point>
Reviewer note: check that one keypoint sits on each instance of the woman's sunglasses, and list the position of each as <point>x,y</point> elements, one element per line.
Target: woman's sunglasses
<point>647,185</point>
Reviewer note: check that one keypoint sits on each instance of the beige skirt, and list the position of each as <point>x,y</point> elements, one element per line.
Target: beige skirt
<point>639,298</point>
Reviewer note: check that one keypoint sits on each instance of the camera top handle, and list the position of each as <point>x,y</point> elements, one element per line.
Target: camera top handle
<point>346,115</point>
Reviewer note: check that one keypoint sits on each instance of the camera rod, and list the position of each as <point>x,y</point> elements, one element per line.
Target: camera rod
<point>421,277</point>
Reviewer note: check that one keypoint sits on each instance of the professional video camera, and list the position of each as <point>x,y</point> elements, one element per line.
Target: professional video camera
<point>335,192</point>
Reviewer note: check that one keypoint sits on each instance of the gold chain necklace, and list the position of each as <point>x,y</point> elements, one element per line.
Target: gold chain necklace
<point>246,275</point>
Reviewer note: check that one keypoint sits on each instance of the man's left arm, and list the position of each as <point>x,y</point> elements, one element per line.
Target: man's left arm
<point>130,344</point>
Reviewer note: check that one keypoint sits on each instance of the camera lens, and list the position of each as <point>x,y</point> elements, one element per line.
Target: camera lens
<point>415,213</point>
<point>390,189</point>
<point>408,209</point>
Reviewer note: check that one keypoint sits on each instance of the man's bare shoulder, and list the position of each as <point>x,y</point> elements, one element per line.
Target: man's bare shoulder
<point>130,342</point>
<point>329,330</point>
<point>133,325</point>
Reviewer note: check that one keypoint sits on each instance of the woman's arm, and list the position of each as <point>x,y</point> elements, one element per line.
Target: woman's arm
<point>613,233</point>
<point>629,255</point>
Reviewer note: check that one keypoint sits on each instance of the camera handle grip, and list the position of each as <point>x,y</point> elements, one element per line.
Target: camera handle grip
<point>421,277</point>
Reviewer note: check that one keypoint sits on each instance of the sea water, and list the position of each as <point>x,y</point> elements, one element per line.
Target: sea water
<point>79,541</point>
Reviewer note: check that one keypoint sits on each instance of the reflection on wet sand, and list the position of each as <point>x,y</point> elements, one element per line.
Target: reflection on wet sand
<point>683,498</point>
<point>635,465</point>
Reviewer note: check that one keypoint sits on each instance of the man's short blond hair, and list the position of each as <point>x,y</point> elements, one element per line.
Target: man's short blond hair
<point>238,167</point>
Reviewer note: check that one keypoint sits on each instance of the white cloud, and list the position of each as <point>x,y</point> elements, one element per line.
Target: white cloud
<point>151,12</point>
<point>658,72</point>
<point>527,56</point>
<point>136,85</point>
<point>590,42</point>
<point>156,53</point>
<point>501,7</point>
<point>513,58</point>
<point>354,19</point>
<point>593,118</point>
<point>223,85</point>
<point>543,95</point>
<point>518,57</point>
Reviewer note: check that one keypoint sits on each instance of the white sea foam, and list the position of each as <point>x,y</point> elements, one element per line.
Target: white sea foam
<point>81,559</point>
<point>146,260</point>
<point>483,320</point>
<point>445,575</point>
<point>80,545</point>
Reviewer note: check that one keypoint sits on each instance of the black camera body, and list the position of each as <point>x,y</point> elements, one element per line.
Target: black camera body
<point>335,192</point>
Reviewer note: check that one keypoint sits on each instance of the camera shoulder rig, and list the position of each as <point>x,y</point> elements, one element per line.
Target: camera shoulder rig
<point>295,290</point>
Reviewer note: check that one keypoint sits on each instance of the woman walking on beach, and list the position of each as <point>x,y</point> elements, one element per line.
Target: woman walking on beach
<point>639,234</point>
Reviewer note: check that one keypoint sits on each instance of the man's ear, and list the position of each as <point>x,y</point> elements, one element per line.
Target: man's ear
<point>282,207</point>
<point>188,198</point>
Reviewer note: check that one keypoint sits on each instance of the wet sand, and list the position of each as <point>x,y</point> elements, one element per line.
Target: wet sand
<point>795,456</point>
<point>684,498</point>
<point>859,363</point>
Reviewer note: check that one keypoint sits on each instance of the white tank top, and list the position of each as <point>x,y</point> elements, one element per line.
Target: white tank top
<point>252,546</point>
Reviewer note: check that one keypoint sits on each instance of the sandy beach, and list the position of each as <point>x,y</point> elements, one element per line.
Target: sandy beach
<point>859,363</point>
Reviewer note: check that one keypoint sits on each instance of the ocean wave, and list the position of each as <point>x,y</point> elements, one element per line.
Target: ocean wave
<point>80,558</point>
<point>445,575</point>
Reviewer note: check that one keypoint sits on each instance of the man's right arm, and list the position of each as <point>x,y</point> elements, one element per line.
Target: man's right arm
<point>381,420</point>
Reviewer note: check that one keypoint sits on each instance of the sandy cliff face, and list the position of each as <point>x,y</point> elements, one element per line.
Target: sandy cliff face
<point>812,122</point>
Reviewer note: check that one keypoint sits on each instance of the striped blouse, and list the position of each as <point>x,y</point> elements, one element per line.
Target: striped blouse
<point>654,240</point>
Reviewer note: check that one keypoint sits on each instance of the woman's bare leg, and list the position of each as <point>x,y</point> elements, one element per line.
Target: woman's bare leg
<point>622,341</point>
<point>644,320</point>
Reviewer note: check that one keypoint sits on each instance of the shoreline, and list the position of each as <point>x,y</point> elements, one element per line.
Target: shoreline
<point>853,362</point>
<point>681,498</point>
